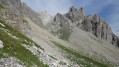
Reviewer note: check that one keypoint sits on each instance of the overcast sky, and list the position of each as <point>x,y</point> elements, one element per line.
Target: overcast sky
<point>107,9</point>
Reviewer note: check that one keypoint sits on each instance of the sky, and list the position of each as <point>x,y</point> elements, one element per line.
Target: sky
<point>106,9</point>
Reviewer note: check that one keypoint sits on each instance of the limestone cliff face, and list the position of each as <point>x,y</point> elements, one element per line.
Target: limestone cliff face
<point>98,27</point>
<point>93,24</point>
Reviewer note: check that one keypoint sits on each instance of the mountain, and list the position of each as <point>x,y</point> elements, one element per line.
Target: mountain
<point>25,40</point>
<point>93,24</point>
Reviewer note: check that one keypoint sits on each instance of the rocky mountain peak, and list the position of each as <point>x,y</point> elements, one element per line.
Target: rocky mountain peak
<point>58,14</point>
<point>82,11</point>
<point>75,15</point>
<point>61,20</point>
<point>96,18</point>
<point>73,9</point>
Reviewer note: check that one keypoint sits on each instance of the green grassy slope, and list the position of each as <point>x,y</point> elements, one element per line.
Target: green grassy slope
<point>13,47</point>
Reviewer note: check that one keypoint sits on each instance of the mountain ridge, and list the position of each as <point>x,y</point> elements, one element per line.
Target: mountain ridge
<point>93,24</point>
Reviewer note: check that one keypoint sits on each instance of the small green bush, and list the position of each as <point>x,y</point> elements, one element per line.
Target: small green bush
<point>25,21</point>
<point>1,6</point>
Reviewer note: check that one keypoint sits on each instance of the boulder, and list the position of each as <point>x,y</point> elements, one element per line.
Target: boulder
<point>1,44</point>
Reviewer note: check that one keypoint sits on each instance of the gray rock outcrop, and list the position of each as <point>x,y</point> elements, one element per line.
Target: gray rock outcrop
<point>98,27</point>
<point>1,44</point>
<point>60,21</point>
<point>75,15</point>
<point>115,40</point>
<point>10,62</point>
